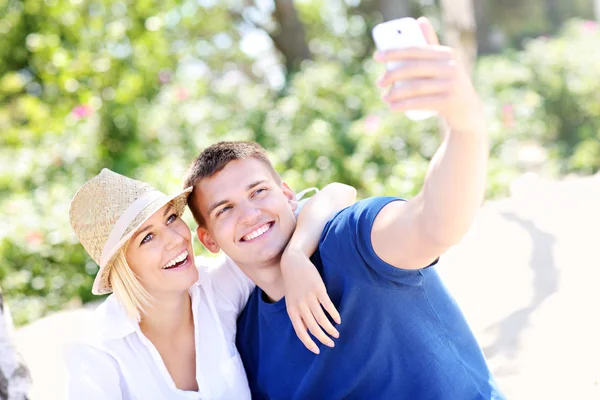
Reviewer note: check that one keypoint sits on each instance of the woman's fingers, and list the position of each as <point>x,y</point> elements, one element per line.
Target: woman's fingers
<point>319,316</point>
<point>313,326</point>
<point>328,306</point>
<point>302,332</point>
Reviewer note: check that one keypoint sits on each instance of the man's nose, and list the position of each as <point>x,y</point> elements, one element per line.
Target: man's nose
<point>249,213</point>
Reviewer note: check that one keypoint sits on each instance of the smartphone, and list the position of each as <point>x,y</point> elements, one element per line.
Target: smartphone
<point>397,34</point>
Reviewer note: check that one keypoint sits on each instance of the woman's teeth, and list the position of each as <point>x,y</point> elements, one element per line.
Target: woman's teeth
<point>176,260</point>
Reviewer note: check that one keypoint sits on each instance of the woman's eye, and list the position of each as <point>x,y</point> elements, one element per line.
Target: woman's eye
<point>172,218</point>
<point>147,238</point>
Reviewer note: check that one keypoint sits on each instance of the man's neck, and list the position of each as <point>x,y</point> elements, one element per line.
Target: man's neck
<point>274,290</point>
<point>268,278</point>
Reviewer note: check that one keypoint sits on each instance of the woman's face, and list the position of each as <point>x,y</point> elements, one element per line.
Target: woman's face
<point>160,253</point>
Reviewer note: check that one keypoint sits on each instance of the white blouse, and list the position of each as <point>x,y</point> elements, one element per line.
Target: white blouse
<point>119,362</point>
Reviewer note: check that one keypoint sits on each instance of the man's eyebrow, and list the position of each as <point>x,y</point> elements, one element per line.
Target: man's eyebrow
<point>217,204</point>
<point>225,201</point>
<point>253,184</point>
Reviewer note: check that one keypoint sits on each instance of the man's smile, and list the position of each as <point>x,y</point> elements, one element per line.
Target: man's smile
<point>257,232</point>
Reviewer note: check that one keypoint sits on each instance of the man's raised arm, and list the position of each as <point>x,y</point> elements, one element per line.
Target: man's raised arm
<point>412,234</point>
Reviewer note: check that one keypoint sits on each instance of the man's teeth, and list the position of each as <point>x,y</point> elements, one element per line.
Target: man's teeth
<point>176,260</point>
<point>257,233</point>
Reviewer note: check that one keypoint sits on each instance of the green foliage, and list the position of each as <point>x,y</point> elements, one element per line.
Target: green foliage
<point>547,96</point>
<point>141,88</point>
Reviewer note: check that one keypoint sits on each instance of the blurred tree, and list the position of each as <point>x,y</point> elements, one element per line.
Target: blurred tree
<point>512,22</point>
<point>483,29</point>
<point>284,27</point>
<point>392,9</point>
<point>554,15</point>
<point>460,29</point>
<point>290,35</point>
<point>597,9</point>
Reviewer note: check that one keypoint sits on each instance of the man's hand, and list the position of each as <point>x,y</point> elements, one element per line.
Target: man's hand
<point>305,298</point>
<point>431,78</point>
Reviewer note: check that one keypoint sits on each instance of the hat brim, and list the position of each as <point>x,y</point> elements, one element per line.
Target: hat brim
<point>101,282</point>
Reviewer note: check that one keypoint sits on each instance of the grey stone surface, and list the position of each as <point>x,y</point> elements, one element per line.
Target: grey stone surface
<point>14,375</point>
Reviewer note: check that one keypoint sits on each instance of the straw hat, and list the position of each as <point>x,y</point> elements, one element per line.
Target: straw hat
<point>108,210</point>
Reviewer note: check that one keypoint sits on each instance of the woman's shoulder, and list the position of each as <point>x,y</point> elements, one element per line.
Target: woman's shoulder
<point>208,264</point>
<point>107,322</point>
<point>216,268</point>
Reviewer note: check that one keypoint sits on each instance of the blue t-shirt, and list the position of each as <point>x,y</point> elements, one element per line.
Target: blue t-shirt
<point>402,334</point>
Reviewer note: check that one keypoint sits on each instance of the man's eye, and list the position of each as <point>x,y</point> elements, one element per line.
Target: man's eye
<point>259,191</point>
<point>223,210</point>
<point>172,218</point>
<point>147,238</point>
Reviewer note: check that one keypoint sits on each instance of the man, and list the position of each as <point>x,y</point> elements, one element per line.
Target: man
<point>402,335</point>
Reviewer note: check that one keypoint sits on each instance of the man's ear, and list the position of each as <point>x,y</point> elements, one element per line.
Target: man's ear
<point>290,194</point>
<point>207,240</point>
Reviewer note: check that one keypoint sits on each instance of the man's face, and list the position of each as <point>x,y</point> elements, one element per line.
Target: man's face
<point>247,213</point>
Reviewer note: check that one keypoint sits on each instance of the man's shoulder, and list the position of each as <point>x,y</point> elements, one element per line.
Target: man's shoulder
<point>252,305</point>
<point>346,238</point>
<point>360,213</point>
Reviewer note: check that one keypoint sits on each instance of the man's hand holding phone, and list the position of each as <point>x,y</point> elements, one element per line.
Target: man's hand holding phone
<point>429,77</point>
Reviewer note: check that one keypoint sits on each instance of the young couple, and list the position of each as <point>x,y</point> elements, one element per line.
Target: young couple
<point>176,329</point>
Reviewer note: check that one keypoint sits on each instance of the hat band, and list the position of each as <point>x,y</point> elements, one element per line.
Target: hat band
<point>124,220</point>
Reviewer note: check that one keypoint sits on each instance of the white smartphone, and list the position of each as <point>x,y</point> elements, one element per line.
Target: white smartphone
<point>397,34</point>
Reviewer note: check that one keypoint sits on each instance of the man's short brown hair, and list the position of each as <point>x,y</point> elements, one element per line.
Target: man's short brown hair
<point>214,158</point>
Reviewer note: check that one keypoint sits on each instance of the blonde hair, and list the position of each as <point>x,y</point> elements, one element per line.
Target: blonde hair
<point>128,288</point>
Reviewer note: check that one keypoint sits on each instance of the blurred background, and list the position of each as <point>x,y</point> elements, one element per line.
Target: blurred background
<point>143,86</point>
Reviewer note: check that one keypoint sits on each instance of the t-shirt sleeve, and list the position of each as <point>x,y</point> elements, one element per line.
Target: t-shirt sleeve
<point>346,245</point>
<point>92,374</point>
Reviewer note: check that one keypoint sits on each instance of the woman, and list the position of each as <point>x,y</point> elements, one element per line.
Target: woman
<point>168,330</point>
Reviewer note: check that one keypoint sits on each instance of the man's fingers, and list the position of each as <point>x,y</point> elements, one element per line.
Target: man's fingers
<point>415,53</point>
<point>319,314</point>
<point>329,307</point>
<point>415,88</point>
<point>430,36</point>
<point>313,327</point>
<point>302,333</point>
<point>431,102</point>
<point>418,70</point>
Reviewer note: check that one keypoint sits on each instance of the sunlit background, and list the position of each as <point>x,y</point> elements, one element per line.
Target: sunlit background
<point>142,86</point>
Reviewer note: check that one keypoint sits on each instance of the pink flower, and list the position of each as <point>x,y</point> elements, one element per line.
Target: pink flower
<point>508,115</point>
<point>372,123</point>
<point>34,237</point>
<point>590,25</point>
<point>182,94</point>
<point>164,77</point>
<point>82,111</point>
